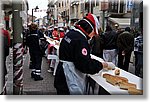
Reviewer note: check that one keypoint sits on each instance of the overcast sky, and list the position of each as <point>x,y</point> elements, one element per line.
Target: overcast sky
<point>42,4</point>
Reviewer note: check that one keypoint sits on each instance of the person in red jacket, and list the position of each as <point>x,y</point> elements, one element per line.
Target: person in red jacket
<point>7,35</point>
<point>55,34</point>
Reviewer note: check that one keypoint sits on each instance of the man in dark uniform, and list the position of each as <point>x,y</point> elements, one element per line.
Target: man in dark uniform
<point>75,60</point>
<point>35,52</point>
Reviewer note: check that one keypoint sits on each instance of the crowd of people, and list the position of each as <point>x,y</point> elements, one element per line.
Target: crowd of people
<point>117,46</point>
<point>36,42</point>
<point>76,45</point>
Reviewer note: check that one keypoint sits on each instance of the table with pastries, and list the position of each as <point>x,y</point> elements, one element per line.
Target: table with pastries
<point>122,83</point>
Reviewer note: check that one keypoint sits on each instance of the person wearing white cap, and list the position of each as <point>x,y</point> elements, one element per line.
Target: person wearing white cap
<point>75,61</point>
<point>61,33</point>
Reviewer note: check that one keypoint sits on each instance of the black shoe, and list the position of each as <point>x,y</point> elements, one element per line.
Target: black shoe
<point>38,77</point>
<point>32,75</point>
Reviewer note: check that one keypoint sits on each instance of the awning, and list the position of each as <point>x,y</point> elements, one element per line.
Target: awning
<point>122,22</point>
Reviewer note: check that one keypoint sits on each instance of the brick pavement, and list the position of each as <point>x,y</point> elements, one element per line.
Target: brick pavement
<point>44,87</point>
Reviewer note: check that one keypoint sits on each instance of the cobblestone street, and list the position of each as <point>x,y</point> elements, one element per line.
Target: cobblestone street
<point>31,87</point>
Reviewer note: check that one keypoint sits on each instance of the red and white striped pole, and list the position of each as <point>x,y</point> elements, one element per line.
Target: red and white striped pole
<point>17,48</point>
<point>18,67</point>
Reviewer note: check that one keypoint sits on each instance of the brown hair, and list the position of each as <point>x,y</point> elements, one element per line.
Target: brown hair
<point>33,26</point>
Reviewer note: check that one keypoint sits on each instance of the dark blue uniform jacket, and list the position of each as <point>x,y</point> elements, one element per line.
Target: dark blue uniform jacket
<point>74,47</point>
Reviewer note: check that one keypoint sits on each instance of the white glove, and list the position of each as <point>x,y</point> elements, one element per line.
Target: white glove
<point>111,65</point>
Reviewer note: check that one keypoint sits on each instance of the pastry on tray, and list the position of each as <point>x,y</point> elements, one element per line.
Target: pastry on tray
<point>123,83</point>
<point>106,75</point>
<point>117,72</point>
<point>126,85</point>
<point>113,80</point>
<point>134,91</point>
<point>122,78</point>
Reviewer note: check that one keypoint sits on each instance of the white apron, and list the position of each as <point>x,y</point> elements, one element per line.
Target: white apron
<point>75,79</point>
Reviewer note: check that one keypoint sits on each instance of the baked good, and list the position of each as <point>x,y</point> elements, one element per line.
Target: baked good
<point>113,80</point>
<point>126,85</point>
<point>106,75</point>
<point>117,72</point>
<point>122,78</point>
<point>117,80</point>
<point>134,91</point>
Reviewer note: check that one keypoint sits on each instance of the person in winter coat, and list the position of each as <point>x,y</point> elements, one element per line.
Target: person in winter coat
<point>97,45</point>
<point>138,52</point>
<point>75,60</point>
<point>125,43</point>
<point>110,45</point>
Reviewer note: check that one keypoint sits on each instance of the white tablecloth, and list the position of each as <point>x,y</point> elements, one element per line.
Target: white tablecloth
<point>51,41</point>
<point>51,56</point>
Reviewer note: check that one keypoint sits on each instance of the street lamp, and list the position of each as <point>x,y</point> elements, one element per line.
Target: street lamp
<point>35,10</point>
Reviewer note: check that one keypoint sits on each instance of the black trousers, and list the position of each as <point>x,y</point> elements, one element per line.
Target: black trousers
<point>36,58</point>
<point>124,60</point>
<point>31,61</point>
<point>139,64</point>
<point>136,59</point>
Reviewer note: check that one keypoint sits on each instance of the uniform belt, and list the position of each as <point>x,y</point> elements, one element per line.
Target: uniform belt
<point>32,35</point>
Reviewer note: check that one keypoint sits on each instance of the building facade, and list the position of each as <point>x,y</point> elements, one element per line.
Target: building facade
<point>112,12</point>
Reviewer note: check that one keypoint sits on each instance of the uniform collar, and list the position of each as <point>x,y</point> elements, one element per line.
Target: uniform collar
<point>81,31</point>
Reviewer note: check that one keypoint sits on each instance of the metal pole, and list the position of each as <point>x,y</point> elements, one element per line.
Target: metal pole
<point>1,56</point>
<point>32,15</point>
<point>17,49</point>
<point>133,17</point>
<point>118,6</point>
<point>103,20</point>
<point>90,6</point>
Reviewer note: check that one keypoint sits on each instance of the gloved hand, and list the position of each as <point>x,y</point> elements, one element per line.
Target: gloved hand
<point>108,66</point>
<point>111,66</point>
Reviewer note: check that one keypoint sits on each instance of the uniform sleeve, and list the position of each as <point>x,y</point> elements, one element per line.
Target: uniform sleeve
<point>129,44</point>
<point>40,34</point>
<point>83,61</point>
<point>121,42</point>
